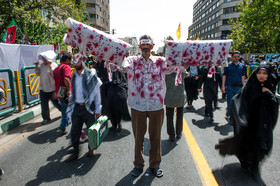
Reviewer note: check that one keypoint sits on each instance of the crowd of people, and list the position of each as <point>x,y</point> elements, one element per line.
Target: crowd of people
<point>146,85</point>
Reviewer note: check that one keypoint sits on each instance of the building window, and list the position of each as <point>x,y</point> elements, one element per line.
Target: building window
<point>218,3</point>
<point>209,19</point>
<point>225,21</point>
<point>210,9</point>
<point>213,26</point>
<point>212,35</point>
<point>101,1</point>
<point>229,10</point>
<point>213,16</point>
<point>217,24</point>
<point>226,1</point>
<point>217,14</point>
<point>214,6</point>
<point>216,35</point>
<point>202,31</point>
<point>209,28</point>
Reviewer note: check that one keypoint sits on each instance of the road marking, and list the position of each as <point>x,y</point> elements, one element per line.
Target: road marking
<point>205,173</point>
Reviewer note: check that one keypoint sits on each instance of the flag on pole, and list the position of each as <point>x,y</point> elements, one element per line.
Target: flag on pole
<point>11,34</point>
<point>178,33</point>
<point>5,34</point>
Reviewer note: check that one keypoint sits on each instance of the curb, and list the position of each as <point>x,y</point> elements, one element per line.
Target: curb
<point>18,118</point>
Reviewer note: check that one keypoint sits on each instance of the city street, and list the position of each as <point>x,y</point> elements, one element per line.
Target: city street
<point>32,154</point>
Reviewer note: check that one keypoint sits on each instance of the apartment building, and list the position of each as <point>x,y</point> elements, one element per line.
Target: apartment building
<point>211,19</point>
<point>99,13</point>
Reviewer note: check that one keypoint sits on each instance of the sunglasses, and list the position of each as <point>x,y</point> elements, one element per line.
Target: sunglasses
<point>236,56</point>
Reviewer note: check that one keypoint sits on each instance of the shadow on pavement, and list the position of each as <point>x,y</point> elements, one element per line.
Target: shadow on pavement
<point>113,136</point>
<point>42,137</point>
<point>224,129</point>
<point>29,127</point>
<point>145,179</point>
<point>166,146</point>
<point>202,124</point>
<point>58,170</point>
<point>232,174</point>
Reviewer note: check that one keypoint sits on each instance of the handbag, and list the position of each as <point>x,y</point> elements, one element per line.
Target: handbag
<point>62,89</point>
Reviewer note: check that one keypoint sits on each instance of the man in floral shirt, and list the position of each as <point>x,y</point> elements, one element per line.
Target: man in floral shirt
<point>146,91</point>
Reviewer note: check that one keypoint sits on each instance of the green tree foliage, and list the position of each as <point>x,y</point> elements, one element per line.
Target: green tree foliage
<point>42,20</point>
<point>257,30</point>
<point>170,38</point>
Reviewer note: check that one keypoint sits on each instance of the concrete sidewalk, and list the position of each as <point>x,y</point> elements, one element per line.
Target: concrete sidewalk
<point>16,119</point>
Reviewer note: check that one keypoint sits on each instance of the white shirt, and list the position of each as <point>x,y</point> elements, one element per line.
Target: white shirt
<point>79,96</point>
<point>46,77</point>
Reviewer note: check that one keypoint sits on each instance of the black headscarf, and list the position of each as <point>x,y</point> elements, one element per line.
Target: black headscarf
<point>254,115</point>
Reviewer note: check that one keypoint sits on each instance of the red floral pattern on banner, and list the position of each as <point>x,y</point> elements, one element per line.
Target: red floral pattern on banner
<point>93,41</point>
<point>197,53</point>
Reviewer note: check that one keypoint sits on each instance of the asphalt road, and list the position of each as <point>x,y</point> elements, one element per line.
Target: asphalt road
<point>33,154</point>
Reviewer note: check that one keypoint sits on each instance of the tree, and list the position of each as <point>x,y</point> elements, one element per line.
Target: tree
<point>39,18</point>
<point>257,29</point>
<point>167,38</point>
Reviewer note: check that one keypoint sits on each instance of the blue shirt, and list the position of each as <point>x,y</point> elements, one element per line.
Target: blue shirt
<point>234,74</point>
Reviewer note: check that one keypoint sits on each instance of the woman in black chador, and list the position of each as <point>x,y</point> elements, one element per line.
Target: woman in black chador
<point>211,81</point>
<point>116,101</point>
<point>191,84</point>
<point>254,112</point>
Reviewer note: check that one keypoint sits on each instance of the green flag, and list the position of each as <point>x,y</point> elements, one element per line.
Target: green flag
<point>4,35</point>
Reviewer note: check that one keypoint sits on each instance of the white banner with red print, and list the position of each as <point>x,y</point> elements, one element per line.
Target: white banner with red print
<point>92,41</point>
<point>197,52</point>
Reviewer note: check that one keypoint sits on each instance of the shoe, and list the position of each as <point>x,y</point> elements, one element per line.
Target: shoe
<point>90,153</point>
<point>136,171</point>
<point>72,157</point>
<point>62,132</point>
<point>119,128</point>
<point>172,139</point>
<point>216,107</point>
<point>157,172</point>
<point>191,106</point>
<point>83,139</point>
<point>1,173</point>
<point>179,136</point>
<point>211,120</point>
<point>45,121</point>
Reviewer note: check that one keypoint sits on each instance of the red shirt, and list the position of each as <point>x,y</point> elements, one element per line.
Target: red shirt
<point>59,78</point>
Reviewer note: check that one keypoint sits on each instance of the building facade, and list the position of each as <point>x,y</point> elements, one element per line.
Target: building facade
<point>211,19</point>
<point>99,14</point>
<point>135,50</point>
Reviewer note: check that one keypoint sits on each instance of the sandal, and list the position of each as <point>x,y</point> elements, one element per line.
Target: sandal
<point>157,172</point>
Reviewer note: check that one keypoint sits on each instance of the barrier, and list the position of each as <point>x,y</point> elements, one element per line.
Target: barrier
<point>6,90</point>
<point>33,85</point>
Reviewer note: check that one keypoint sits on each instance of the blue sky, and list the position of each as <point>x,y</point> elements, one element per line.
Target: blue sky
<point>157,18</point>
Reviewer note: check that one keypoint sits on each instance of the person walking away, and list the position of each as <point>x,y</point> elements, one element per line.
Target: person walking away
<point>175,98</point>
<point>47,84</point>
<point>191,84</point>
<point>116,101</point>
<point>62,76</point>
<point>210,83</point>
<point>102,73</point>
<point>254,113</point>
<point>85,102</point>
<point>233,79</point>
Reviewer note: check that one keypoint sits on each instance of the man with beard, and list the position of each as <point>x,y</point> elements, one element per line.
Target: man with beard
<point>85,102</point>
<point>146,91</point>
